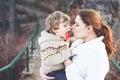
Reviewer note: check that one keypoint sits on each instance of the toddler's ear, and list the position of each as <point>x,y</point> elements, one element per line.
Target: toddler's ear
<point>54,31</point>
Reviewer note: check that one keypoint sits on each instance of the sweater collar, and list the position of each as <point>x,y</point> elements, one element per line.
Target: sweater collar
<point>81,42</point>
<point>46,36</point>
<point>96,40</point>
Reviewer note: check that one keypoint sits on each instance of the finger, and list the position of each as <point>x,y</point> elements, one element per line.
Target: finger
<point>49,78</point>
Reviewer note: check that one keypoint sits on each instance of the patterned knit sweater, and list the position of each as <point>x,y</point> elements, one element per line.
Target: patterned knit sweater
<point>54,50</point>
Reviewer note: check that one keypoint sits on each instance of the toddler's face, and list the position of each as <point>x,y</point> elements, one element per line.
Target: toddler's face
<point>63,29</point>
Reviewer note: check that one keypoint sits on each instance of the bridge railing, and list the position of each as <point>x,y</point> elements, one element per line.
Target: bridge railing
<point>31,42</point>
<point>115,64</point>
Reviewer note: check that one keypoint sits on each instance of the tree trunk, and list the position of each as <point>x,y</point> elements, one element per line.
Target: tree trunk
<point>12,18</point>
<point>4,16</point>
<point>118,21</point>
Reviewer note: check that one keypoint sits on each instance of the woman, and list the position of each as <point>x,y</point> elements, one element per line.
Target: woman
<point>91,60</point>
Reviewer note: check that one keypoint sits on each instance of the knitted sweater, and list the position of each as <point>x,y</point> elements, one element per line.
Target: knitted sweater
<point>54,50</point>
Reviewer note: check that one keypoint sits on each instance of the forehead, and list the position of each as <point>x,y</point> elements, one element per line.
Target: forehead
<point>66,22</point>
<point>78,19</point>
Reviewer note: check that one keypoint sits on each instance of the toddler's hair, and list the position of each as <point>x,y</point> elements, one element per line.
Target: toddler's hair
<point>54,19</point>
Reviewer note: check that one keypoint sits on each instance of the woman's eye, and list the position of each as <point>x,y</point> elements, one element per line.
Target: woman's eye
<point>77,25</point>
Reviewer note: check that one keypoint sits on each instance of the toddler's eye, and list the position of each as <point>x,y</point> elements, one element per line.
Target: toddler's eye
<point>65,25</point>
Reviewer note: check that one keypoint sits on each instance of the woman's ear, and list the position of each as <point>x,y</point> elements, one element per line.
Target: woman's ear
<point>90,27</point>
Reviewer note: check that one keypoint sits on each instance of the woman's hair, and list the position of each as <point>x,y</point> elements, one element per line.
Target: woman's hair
<point>54,19</point>
<point>92,17</point>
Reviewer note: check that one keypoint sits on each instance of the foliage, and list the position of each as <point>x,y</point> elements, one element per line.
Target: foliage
<point>26,11</point>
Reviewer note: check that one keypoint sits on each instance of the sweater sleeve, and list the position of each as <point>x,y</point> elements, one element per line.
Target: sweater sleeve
<point>72,72</point>
<point>53,56</point>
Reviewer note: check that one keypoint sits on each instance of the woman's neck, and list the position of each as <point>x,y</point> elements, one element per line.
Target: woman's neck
<point>90,37</point>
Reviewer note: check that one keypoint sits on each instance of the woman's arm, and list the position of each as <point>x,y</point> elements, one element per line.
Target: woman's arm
<point>67,62</point>
<point>72,72</point>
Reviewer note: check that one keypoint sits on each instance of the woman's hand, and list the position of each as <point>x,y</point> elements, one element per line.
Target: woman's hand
<point>44,76</point>
<point>67,62</point>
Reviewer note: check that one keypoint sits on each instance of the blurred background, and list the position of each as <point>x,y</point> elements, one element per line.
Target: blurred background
<point>18,19</point>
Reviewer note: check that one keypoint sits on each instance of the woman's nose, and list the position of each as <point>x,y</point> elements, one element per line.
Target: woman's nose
<point>72,27</point>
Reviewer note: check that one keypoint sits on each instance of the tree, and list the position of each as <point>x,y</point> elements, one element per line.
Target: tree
<point>4,16</point>
<point>13,18</point>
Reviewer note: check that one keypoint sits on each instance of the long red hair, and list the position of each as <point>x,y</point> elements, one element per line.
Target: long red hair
<point>92,17</point>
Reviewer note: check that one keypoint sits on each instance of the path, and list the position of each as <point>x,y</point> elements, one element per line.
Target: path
<point>34,65</point>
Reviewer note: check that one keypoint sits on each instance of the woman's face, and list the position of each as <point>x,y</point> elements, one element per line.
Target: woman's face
<point>63,29</point>
<point>79,28</point>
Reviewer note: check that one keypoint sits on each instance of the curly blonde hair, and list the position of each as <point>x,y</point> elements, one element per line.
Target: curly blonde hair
<point>54,19</point>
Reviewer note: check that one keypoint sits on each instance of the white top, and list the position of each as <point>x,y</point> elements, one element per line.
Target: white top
<point>91,62</point>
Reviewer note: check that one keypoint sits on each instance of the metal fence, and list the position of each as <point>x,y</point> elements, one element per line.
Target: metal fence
<point>31,42</point>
